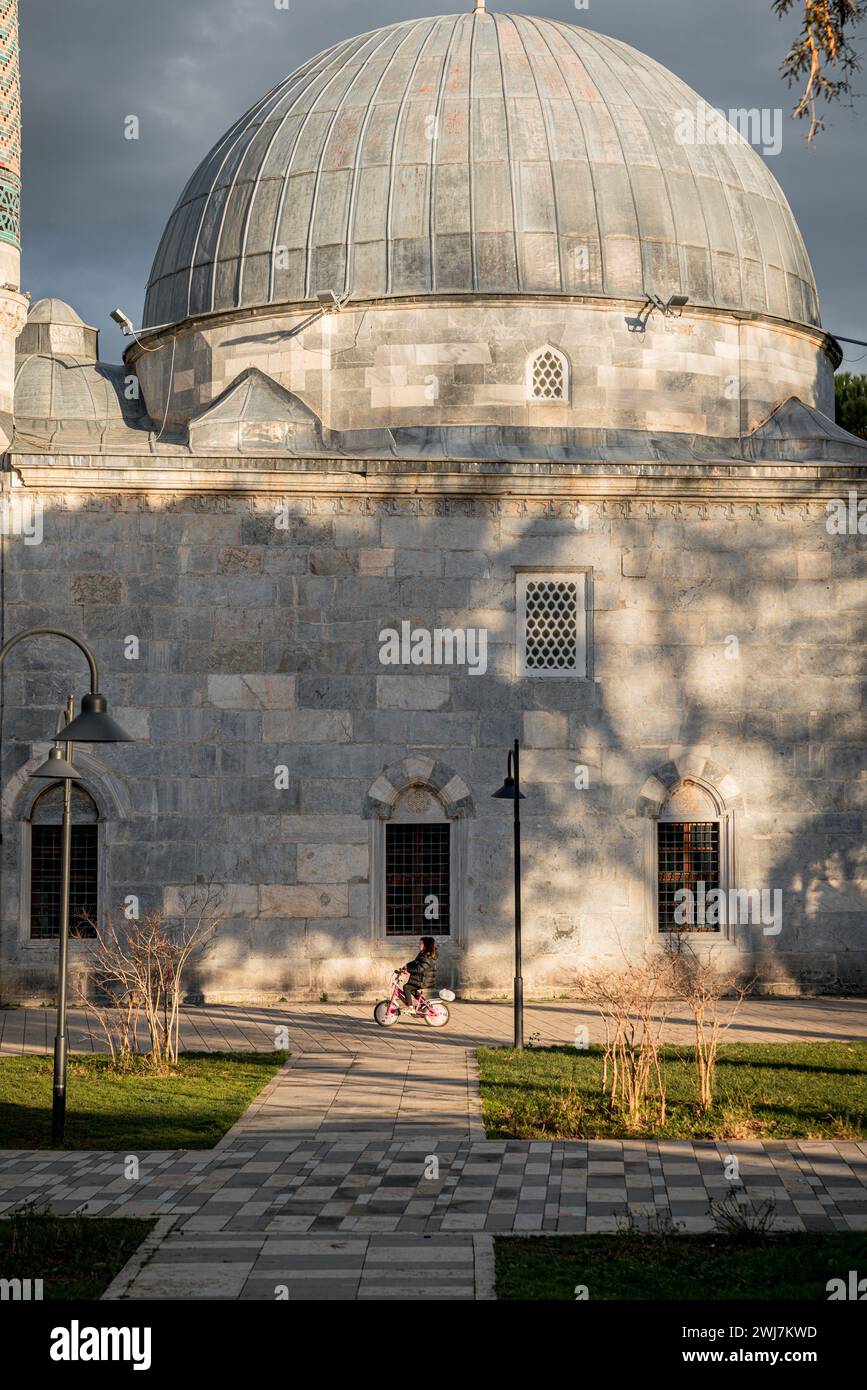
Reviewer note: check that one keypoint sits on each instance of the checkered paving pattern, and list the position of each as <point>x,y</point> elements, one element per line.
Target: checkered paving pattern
<point>431,1186</point>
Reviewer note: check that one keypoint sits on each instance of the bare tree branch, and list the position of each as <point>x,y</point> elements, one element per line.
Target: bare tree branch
<point>823,47</point>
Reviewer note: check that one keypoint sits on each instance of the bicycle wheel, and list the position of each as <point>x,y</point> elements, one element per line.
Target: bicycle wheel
<point>383,1017</point>
<point>436,1015</point>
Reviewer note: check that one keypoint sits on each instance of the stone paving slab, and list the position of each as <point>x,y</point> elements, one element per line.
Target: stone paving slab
<point>349,1028</point>
<point>293,1268</point>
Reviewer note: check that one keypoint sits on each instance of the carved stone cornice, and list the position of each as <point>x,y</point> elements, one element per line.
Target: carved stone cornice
<point>13,314</point>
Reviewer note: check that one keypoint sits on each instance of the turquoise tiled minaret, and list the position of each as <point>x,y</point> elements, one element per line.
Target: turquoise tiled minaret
<point>13,306</point>
<point>10,125</point>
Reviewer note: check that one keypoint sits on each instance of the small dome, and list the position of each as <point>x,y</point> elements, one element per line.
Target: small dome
<point>72,397</point>
<point>53,327</point>
<point>479,153</point>
<point>54,311</point>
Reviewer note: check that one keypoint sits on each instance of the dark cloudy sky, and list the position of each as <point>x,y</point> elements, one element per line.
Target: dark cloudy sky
<point>95,204</point>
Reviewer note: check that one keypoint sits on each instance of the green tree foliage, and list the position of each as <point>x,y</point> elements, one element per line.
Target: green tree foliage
<point>850,394</point>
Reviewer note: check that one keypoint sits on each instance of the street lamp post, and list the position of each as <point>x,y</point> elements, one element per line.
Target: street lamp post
<point>93,725</point>
<point>511,791</point>
<point>56,768</point>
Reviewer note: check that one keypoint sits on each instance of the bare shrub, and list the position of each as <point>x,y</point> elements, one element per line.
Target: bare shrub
<point>741,1218</point>
<point>139,965</point>
<point>633,1000</point>
<point>702,984</point>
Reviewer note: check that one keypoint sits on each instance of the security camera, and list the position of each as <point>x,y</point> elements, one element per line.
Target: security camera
<point>124,323</point>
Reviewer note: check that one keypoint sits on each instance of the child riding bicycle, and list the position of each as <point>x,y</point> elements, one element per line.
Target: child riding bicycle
<point>422,972</point>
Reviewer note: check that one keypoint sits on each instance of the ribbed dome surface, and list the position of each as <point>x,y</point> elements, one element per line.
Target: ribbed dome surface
<point>71,390</point>
<point>54,311</point>
<point>478,153</point>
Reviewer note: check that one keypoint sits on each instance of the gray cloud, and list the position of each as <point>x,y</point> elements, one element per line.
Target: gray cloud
<point>95,203</point>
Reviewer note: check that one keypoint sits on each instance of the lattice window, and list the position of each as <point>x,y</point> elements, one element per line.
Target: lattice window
<point>552,625</point>
<point>688,857</point>
<point>417,879</point>
<point>45,860</point>
<point>548,376</point>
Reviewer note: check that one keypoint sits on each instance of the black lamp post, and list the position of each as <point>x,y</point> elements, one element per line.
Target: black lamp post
<point>511,791</point>
<point>57,768</point>
<point>93,725</point>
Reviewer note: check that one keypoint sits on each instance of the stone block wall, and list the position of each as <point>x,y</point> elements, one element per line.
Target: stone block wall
<point>464,362</point>
<point>731,632</point>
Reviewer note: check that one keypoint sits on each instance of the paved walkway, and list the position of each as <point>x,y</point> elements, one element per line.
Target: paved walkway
<point>349,1028</point>
<point>362,1171</point>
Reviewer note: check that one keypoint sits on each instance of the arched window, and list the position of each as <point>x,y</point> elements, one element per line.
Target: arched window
<point>548,375</point>
<point>45,859</point>
<point>689,860</point>
<point>418,866</point>
<point>418,812</point>
<point>689,805</point>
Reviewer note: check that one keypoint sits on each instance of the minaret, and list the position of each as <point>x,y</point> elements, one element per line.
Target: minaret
<point>13,305</point>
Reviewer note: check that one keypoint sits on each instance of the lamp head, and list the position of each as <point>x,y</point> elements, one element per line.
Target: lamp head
<point>507,790</point>
<point>56,768</point>
<point>94,724</point>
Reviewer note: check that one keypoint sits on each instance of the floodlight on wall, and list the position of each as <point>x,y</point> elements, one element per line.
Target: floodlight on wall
<point>669,308</point>
<point>666,307</point>
<point>330,302</point>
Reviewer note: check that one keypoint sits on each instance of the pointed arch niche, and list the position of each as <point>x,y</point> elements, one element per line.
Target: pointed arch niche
<point>547,375</point>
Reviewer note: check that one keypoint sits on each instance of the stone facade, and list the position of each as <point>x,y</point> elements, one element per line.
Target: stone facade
<point>259,649</point>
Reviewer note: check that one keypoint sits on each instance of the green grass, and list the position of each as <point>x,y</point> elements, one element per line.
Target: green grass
<point>675,1267</point>
<point>76,1257</point>
<point>763,1090</point>
<point>191,1107</point>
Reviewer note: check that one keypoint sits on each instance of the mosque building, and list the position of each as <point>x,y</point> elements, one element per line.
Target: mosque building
<point>472,402</point>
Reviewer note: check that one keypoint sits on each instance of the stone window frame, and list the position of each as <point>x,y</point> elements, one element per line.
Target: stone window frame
<point>696,767</point>
<point>455,807</point>
<point>27,883</point>
<point>582,574</point>
<point>25,860</point>
<point>529,371</point>
<point>19,798</point>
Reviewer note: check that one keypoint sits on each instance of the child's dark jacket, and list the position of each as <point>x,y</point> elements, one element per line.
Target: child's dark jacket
<point>422,972</point>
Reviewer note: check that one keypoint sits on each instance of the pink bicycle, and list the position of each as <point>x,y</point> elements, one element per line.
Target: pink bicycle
<point>435,1012</point>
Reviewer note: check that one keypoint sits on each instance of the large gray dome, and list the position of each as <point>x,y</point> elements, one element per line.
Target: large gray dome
<point>556,167</point>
